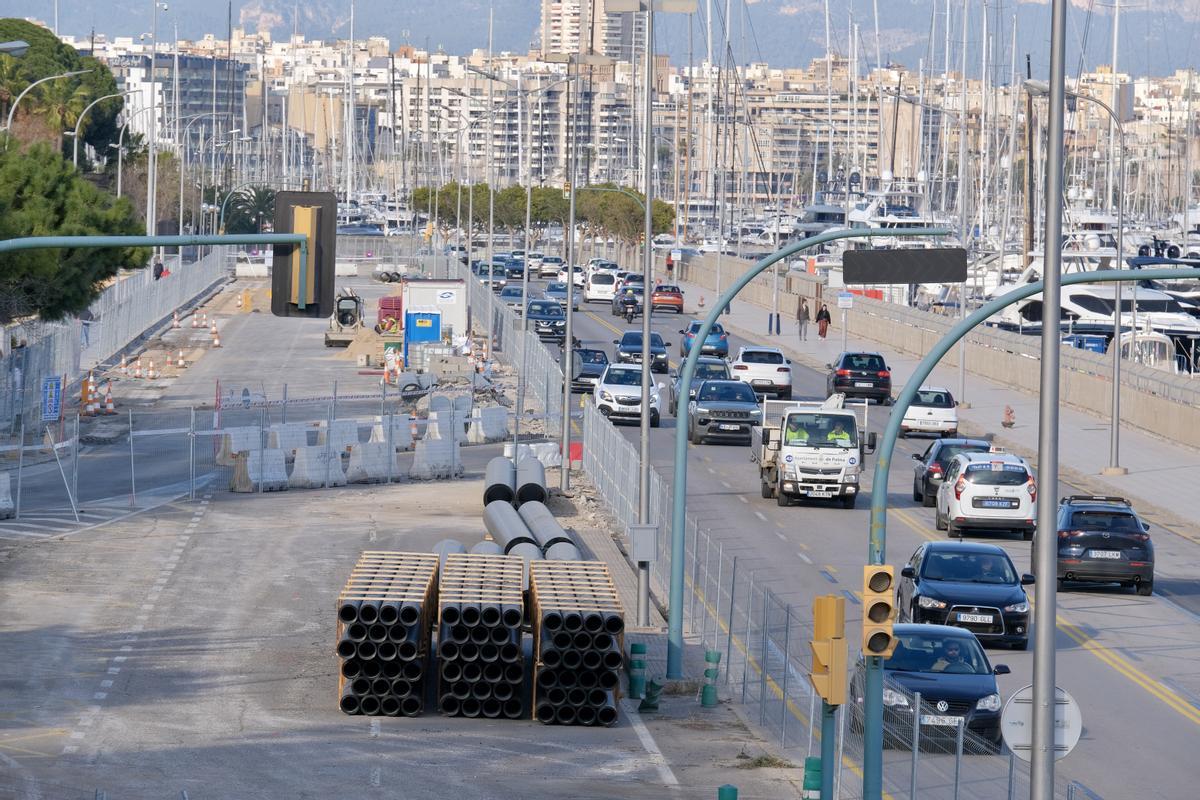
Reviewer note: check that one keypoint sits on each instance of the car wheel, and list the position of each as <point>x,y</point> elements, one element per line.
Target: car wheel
<point>1027,535</point>
<point>781,499</point>
<point>917,496</point>
<point>696,437</point>
<point>786,395</point>
<point>849,500</point>
<point>938,522</point>
<point>654,419</point>
<point>1061,584</point>
<point>887,401</point>
<point>903,434</point>
<point>767,490</point>
<point>952,531</point>
<point>1145,588</point>
<point>929,499</point>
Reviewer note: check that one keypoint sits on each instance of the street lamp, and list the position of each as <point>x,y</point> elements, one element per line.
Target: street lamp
<point>1038,89</point>
<point>12,111</point>
<point>16,49</point>
<point>79,122</point>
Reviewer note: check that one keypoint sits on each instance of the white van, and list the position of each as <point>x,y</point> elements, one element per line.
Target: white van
<point>600,288</point>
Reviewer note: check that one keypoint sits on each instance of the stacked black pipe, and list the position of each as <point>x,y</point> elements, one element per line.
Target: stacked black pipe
<point>481,666</point>
<point>384,633</point>
<point>579,641</point>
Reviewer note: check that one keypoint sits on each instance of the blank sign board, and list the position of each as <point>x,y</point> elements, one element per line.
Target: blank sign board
<point>941,265</point>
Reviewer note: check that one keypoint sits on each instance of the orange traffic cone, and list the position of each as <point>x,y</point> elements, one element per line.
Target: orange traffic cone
<point>109,407</point>
<point>124,366</point>
<point>137,368</point>
<point>169,359</point>
<point>239,304</point>
<point>175,320</point>
<point>179,362</point>
<point>212,328</point>
<point>150,373</point>
<point>195,320</point>
<point>216,337</point>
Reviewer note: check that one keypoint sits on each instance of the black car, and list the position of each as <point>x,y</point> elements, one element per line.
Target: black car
<point>957,683</point>
<point>967,585</point>
<point>930,466</point>
<point>629,350</point>
<point>707,369</point>
<point>548,320</point>
<point>591,367</point>
<point>864,375</point>
<point>1102,540</point>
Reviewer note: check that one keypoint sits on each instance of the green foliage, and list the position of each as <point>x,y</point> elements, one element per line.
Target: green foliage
<point>249,209</point>
<point>42,195</point>
<point>58,102</point>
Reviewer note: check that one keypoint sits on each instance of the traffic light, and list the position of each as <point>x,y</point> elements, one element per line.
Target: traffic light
<point>567,190</point>
<point>879,609</point>
<point>828,673</point>
<point>302,288</point>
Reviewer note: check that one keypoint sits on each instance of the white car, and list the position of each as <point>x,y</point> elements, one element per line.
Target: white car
<point>618,394</point>
<point>550,266</point>
<point>576,274</point>
<point>987,490</point>
<point>766,369</point>
<point>933,410</point>
<point>600,287</point>
<point>534,262</point>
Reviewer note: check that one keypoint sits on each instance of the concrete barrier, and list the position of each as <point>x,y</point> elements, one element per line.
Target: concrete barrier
<point>545,452</point>
<point>309,470</point>
<point>369,463</point>
<point>254,467</point>
<point>235,440</point>
<point>341,436</point>
<point>288,437</point>
<point>436,458</point>
<point>401,432</point>
<point>488,425</point>
<point>7,510</point>
<point>446,424</point>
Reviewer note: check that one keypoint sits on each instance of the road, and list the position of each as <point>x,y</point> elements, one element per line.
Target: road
<point>1129,661</point>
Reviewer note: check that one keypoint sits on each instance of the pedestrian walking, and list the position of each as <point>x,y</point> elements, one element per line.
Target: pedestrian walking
<point>823,321</point>
<point>802,318</point>
<point>158,270</point>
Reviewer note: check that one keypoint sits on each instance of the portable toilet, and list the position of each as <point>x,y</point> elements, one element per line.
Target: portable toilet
<point>421,327</point>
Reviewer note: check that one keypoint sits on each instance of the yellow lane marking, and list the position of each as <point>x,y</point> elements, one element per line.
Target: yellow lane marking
<point>1118,663</point>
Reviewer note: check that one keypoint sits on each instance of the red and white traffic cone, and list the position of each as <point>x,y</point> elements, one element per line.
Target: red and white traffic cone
<point>109,406</point>
<point>216,337</point>
<point>150,373</point>
<point>179,362</point>
<point>124,365</point>
<point>175,321</point>
<point>169,359</point>
<point>212,328</point>
<point>137,368</point>
<point>195,320</point>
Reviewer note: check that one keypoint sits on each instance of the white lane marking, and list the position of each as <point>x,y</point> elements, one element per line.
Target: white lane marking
<point>643,733</point>
<point>760,515</point>
<point>710,469</point>
<point>804,558</point>
<point>106,684</point>
<point>782,538</point>
<point>726,484</point>
<point>376,776</point>
<point>114,670</point>
<point>374,729</point>
<point>99,695</point>
<point>742,497</point>
<point>126,649</point>
<point>119,659</point>
<point>77,734</point>
<point>70,749</point>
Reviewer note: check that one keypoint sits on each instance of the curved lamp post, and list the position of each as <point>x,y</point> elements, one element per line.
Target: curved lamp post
<point>79,122</point>
<point>13,109</point>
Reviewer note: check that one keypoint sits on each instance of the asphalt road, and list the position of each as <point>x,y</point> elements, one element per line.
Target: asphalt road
<point>1129,661</point>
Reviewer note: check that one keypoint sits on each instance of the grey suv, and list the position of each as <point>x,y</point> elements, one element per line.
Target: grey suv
<point>723,409</point>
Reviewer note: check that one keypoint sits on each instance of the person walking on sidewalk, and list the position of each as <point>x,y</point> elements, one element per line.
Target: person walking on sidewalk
<point>823,321</point>
<point>802,318</point>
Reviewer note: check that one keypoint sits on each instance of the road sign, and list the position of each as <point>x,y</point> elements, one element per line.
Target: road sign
<point>932,265</point>
<point>51,399</point>
<point>1016,723</point>
<point>845,300</point>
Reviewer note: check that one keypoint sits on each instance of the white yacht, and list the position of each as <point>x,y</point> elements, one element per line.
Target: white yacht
<point>1089,309</point>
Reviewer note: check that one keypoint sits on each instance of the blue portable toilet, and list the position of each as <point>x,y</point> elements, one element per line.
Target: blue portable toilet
<point>421,327</point>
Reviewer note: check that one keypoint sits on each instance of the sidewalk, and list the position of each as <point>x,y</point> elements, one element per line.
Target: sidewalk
<point>1161,474</point>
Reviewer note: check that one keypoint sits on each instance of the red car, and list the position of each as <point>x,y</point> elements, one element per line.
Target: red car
<point>667,297</point>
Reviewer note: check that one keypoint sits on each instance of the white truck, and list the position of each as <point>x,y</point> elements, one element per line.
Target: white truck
<point>811,449</point>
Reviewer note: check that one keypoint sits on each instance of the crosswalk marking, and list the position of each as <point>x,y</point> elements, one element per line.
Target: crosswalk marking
<point>45,524</point>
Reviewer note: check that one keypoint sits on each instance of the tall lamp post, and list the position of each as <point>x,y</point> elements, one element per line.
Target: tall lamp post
<point>1038,89</point>
<point>79,122</point>
<point>12,110</point>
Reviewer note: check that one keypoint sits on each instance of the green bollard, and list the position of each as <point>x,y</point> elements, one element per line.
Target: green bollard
<point>637,678</point>
<point>812,779</point>
<point>727,792</point>
<point>650,701</point>
<point>708,694</point>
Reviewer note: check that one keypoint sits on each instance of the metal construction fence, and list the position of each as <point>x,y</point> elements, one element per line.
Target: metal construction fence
<point>124,311</point>
<point>734,605</point>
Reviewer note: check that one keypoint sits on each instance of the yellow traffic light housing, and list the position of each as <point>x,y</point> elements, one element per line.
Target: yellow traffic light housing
<point>879,610</point>
<point>828,673</point>
<point>302,280</point>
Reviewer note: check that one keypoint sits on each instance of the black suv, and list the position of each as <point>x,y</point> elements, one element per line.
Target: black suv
<point>864,375</point>
<point>1102,540</point>
<point>930,466</point>
<point>629,350</point>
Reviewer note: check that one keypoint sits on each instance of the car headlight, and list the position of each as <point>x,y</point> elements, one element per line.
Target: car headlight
<point>1018,608</point>
<point>701,411</point>
<point>790,472</point>
<point>989,703</point>
<point>893,698</point>
<point>929,602</point>
<point>606,396</point>
<point>852,477</point>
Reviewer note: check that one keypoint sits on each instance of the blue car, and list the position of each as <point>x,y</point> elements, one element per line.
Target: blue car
<point>715,344</point>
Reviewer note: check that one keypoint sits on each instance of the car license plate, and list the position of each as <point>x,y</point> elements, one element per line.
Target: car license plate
<point>760,382</point>
<point>863,384</point>
<point>979,619</point>
<point>730,427</point>
<point>814,493</point>
<point>1106,554</point>
<point>939,720</point>
<point>995,502</point>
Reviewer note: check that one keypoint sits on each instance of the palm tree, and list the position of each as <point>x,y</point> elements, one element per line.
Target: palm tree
<point>12,82</point>
<point>61,102</point>
<point>254,205</point>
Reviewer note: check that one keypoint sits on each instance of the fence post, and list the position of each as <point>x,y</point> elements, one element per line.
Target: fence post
<point>812,710</point>
<point>716,604</point>
<point>729,622</point>
<point>328,439</point>
<point>20,470</point>
<point>192,455</point>
<point>841,748</point>
<point>746,652</point>
<point>958,754</point>
<point>283,414</point>
<point>916,746</point>
<point>762,664</point>
<point>391,449</point>
<point>695,569</point>
<point>1012,776</point>
<point>132,470</point>
<point>75,461</point>
<point>787,636</point>
<point>262,455</point>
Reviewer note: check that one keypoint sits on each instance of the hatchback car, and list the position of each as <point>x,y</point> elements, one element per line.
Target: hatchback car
<point>723,410</point>
<point>513,297</point>
<point>557,290</point>
<point>715,344</point>
<point>968,585</point>
<point>548,320</point>
<point>576,274</point>
<point>550,266</point>
<point>629,350</point>
<point>765,369</point>
<point>667,298</point>
<point>1102,540</point>
<point>987,490</point>
<point>498,277</point>
<point>864,375</point>
<point>930,466</point>
<point>618,394</point>
<point>592,364</point>
<point>599,287</point>
<point>707,369</point>
<point>957,683</point>
<point>933,410</point>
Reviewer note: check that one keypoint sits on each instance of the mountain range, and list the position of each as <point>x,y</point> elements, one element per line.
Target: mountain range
<point>1154,40</point>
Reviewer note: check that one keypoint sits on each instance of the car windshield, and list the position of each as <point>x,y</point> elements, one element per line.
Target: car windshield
<point>556,287</point>
<point>935,652</point>
<point>593,356</point>
<point>716,330</point>
<point>634,339</point>
<point>1115,521</point>
<point>968,568</point>
<point>726,392</point>
<point>602,278</point>
<point>997,473</point>
<point>806,429</point>
<point>552,260</point>
<point>624,377</point>
<point>668,290</point>
<point>511,291</point>
<point>933,398</point>
<point>761,357</point>
<point>949,451</point>
<point>546,309</point>
<point>706,372</point>
<point>865,361</point>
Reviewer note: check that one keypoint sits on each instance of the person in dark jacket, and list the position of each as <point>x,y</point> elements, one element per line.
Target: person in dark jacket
<point>158,270</point>
<point>823,321</point>
<point>803,316</point>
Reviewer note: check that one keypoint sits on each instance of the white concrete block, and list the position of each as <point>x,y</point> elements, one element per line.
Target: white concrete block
<point>545,452</point>
<point>488,425</point>
<point>7,509</point>
<point>235,440</point>
<point>439,403</point>
<point>369,463</point>
<point>436,458</point>
<point>341,437</point>
<point>402,438</point>
<point>254,467</point>
<point>288,437</point>
<point>309,471</point>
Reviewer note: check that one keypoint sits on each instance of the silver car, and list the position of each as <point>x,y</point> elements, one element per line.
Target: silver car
<point>723,409</point>
<point>557,290</point>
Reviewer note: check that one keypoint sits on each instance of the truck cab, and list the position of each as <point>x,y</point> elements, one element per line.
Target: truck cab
<point>812,450</point>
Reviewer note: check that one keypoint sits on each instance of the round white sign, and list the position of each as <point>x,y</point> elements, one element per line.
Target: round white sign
<point>1016,723</point>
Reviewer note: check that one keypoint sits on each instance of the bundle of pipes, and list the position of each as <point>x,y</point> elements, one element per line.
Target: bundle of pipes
<point>383,633</point>
<point>578,641</point>
<point>517,482</point>
<point>481,666</point>
<point>549,535</point>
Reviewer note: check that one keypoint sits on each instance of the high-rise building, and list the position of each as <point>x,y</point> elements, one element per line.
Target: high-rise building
<point>580,26</point>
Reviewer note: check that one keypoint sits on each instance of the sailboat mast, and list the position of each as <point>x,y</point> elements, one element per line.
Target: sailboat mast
<point>348,147</point>
<point>1113,144</point>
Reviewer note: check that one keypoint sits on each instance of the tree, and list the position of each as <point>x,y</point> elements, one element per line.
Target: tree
<point>41,194</point>
<point>61,103</point>
<point>249,209</point>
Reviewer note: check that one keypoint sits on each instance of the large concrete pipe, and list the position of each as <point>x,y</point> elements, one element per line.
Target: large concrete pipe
<point>506,526</point>
<point>543,526</point>
<point>445,548</point>
<point>487,548</point>
<point>562,551</point>
<point>531,481</point>
<point>500,480</point>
